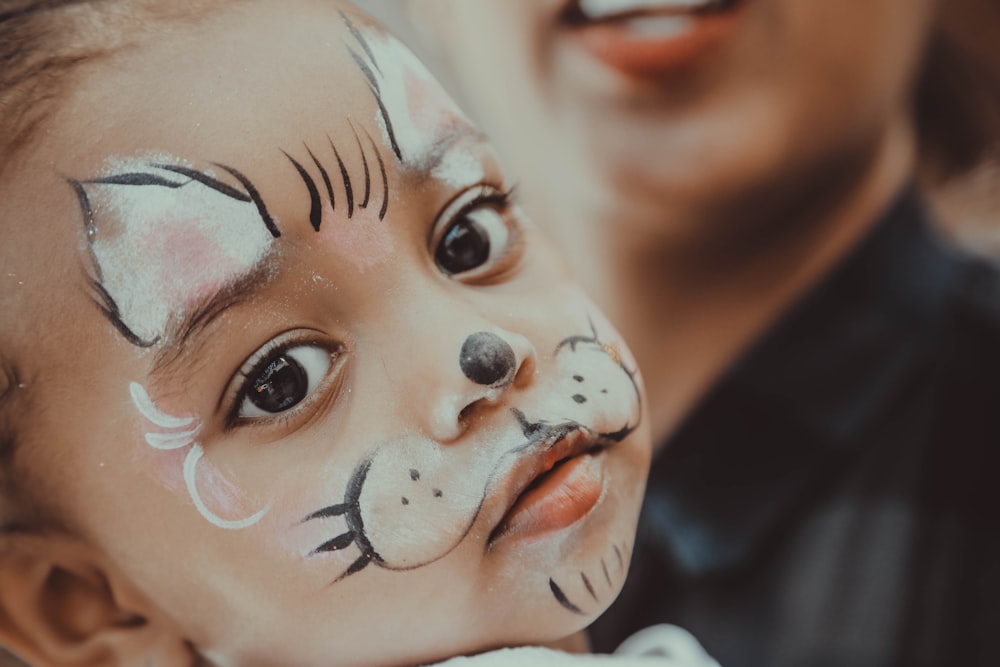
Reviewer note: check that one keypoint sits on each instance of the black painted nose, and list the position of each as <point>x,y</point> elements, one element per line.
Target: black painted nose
<point>487,359</point>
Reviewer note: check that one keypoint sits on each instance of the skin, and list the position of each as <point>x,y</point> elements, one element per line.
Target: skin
<point>204,518</point>
<point>696,203</point>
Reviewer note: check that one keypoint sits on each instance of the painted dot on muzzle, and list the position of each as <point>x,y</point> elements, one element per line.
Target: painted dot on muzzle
<point>487,359</point>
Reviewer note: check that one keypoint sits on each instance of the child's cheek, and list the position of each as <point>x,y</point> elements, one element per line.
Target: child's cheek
<point>169,449</point>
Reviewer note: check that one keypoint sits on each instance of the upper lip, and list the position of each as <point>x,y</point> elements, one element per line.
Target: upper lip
<point>535,460</point>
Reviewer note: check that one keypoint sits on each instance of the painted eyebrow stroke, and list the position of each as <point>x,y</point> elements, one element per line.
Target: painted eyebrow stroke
<point>313,190</point>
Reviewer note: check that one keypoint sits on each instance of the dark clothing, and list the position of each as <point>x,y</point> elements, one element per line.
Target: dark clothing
<point>834,499</point>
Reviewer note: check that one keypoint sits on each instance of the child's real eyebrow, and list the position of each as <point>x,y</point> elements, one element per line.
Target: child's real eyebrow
<point>186,335</point>
<point>435,157</point>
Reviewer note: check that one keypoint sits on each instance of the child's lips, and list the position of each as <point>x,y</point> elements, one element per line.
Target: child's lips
<point>554,489</point>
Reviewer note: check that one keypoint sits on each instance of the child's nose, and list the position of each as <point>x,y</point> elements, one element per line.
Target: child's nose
<point>488,359</point>
<point>491,363</point>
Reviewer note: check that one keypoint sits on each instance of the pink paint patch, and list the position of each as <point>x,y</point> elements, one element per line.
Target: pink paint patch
<point>188,261</point>
<point>432,111</point>
<point>166,467</point>
<point>222,497</point>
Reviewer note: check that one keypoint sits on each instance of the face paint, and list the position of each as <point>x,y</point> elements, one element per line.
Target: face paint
<point>410,502</point>
<point>364,200</point>
<point>180,433</point>
<point>163,237</point>
<point>415,113</point>
<point>459,169</point>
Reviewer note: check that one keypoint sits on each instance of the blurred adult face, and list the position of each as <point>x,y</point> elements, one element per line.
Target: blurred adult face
<point>666,110</point>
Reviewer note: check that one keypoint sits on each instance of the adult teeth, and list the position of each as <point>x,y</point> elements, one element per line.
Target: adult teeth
<point>662,27</point>
<point>600,9</point>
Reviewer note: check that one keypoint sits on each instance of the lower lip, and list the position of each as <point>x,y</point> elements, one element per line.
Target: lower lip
<point>636,48</point>
<point>565,496</point>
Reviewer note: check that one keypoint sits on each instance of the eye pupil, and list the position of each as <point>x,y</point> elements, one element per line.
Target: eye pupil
<point>281,385</point>
<point>464,247</point>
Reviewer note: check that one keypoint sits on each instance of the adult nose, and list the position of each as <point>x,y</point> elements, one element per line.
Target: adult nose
<point>491,364</point>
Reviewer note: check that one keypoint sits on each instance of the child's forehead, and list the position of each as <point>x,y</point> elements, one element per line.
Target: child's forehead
<point>234,86</point>
<point>239,89</point>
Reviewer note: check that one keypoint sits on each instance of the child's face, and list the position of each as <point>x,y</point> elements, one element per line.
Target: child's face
<point>298,367</point>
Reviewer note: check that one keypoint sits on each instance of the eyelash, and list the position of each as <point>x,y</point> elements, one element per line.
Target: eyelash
<point>482,195</point>
<point>240,385</point>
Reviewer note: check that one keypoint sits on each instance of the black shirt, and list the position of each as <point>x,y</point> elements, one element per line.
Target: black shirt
<point>833,500</point>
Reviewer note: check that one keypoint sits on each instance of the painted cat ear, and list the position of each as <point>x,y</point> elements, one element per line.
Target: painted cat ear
<point>150,228</point>
<point>58,606</point>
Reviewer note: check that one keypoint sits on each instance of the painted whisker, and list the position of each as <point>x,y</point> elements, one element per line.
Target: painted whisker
<point>561,598</point>
<point>588,586</point>
<point>315,208</point>
<point>326,180</point>
<point>364,165</point>
<point>348,190</point>
<point>385,179</point>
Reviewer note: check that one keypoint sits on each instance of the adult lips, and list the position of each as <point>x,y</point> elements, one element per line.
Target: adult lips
<point>650,37</point>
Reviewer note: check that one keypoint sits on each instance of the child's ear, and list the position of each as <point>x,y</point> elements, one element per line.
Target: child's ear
<point>61,605</point>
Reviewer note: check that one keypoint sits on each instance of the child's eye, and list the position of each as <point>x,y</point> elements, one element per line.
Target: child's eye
<point>281,378</point>
<point>476,236</point>
<point>472,240</point>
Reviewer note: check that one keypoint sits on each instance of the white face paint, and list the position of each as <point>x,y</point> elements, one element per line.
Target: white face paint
<point>178,433</point>
<point>458,169</point>
<point>420,111</point>
<point>164,240</point>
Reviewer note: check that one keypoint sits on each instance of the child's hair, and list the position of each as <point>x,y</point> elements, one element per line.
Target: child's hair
<point>43,44</point>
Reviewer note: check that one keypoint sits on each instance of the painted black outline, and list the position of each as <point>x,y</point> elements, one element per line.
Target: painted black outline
<point>206,180</point>
<point>102,298</point>
<point>258,201</point>
<point>138,178</point>
<point>595,339</point>
<point>360,38</point>
<point>373,85</point>
<point>366,70</point>
<point>536,433</point>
